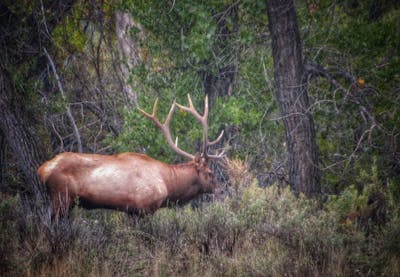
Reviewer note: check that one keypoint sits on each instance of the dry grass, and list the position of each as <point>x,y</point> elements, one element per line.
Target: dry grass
<point>239,173</point>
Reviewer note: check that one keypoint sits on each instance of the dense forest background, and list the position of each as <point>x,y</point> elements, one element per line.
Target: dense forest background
<point>73,73</point>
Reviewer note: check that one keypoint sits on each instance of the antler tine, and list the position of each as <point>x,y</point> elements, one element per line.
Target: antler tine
<point>205,115</point>
<point>217,156</point>
<point>206,143</point>
<point>191,109</point>
<point>202,118</point>
<point>220,155</point>
<point>165,128</point>
<point>155,107</point>
<point>152,116</point>
<point>217,139</point>
<point>169,116</point>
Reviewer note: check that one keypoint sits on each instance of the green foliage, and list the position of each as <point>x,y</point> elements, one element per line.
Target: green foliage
<point>394,190</point>
<point>350,200</point>
<point>350,42</point>
<point>69,32</point>
<point>199,41</point>
<point>8,240</point>
<point>184,26</point>
<point>185,41</point>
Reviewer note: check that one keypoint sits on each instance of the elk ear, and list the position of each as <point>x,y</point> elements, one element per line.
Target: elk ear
<point>200,161</point>
<point>197,161</point>
<point>204,160</point>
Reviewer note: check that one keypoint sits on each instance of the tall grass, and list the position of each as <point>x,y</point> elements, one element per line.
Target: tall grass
<point>253,232</point>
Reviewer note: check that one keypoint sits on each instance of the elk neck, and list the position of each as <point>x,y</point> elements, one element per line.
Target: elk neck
<point>182,182</point>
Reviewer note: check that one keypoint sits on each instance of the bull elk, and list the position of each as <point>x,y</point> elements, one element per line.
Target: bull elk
<point>131,182</point>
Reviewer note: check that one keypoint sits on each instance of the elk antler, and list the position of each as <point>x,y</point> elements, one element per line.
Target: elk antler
<point>165,128</point>
<point>203,120</point>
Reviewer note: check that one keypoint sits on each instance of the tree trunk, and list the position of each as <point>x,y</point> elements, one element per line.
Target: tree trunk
<point>19,134</point>
<point>291,92</point>
<point>2,160</point>
<point>22,37</point>
<point>128,49</point>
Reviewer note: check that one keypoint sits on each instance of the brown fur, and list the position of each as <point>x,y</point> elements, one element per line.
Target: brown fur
<point>129,182</point>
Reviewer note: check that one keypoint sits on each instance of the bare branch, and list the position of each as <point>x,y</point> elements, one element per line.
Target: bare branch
<point>68,108</point>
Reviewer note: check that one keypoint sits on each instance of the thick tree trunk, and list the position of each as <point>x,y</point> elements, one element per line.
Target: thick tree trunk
<point>20,134</point>
<point>291,93</point>
<point>2,160</point>
<point>129,52</point>
<point>21,53</point>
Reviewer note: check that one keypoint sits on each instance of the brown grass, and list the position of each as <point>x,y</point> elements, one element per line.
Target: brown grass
<point>254,232</point>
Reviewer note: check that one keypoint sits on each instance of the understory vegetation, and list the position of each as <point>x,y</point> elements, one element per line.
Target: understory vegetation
<point>252,232</point>
<point>74,73</point>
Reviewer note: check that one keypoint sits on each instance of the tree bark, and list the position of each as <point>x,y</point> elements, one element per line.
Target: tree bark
<point>129,52</point>
<point>291,92</point>
<point>22,36</point>
<point>20,135</point>
<point>2,160</point>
